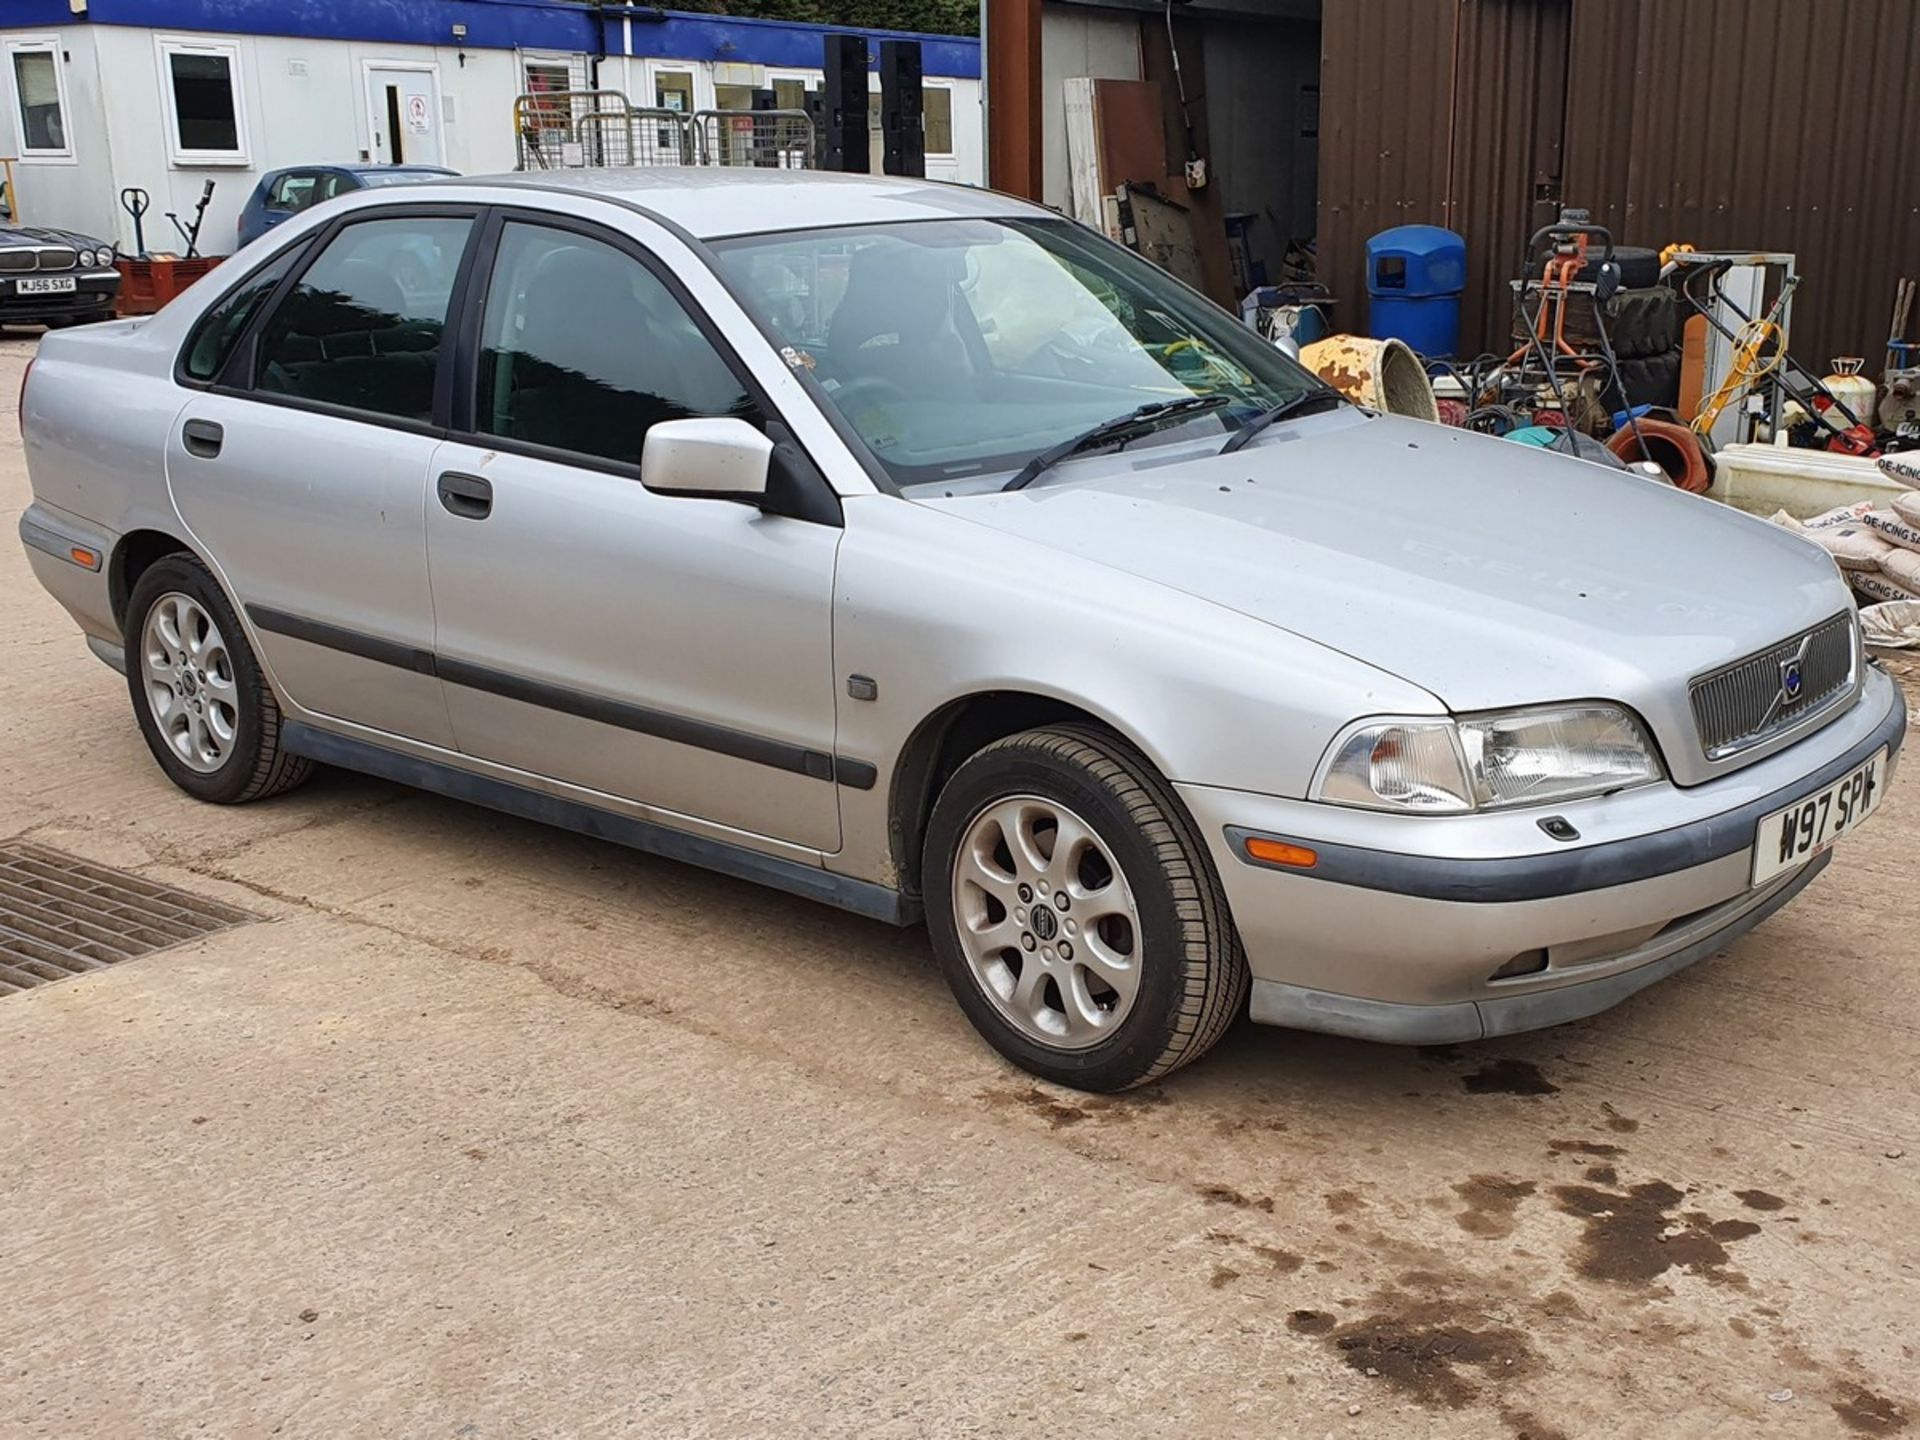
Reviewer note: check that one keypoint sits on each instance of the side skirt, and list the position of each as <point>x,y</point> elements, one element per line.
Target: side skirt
<point>862,897</point>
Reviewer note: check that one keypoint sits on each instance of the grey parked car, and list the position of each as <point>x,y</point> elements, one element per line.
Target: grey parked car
<point>911,548</point>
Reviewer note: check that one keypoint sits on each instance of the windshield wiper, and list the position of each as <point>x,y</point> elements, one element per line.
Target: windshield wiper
<point>1293,406</point>
<point>1139,421</point>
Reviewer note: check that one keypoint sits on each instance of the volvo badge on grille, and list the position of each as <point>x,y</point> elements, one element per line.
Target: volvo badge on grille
<point>1792,678</point>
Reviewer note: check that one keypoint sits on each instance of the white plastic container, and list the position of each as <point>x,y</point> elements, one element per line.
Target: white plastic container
<point>1766,478</point>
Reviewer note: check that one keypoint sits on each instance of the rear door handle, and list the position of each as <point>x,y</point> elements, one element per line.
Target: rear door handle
<point>467,496</point>
<point>202,438</point>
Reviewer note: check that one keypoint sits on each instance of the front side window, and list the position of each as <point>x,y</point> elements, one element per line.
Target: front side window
<point>964,347</point>
<point>362,329</point>
<point>202,92</point>
<point>37,90</point>
<point>220,328</point>
<point>583,349</point>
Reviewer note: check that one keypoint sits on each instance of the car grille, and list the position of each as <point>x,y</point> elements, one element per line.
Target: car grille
<point>1747,702</point>
<point>46,257</point>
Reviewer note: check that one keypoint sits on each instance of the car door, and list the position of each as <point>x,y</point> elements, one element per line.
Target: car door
<point>672,651</point>
<point>301,466</point>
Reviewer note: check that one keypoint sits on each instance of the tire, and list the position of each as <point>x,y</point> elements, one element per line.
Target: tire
<point>1648,380</point>
<point>1639,267</point>
<point>1643,323</point>
<point>220,738</point>
<point>1189,977</point>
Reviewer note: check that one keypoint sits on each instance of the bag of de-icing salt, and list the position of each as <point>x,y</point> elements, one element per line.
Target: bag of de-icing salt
<point>1889,524</point>
<point>1907,506</point>
<point>1877,587</point>
<point>1853,547</point>
<point>1903,467</point>
<point>1902,567</point>
<point>1839,515</point>
<point>1891,625</point>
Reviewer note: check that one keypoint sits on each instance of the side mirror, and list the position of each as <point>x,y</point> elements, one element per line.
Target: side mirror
<point>708,459</point>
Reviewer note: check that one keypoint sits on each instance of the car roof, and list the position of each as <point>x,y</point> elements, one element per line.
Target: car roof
<point>438,170</point>
<point>712,201</point>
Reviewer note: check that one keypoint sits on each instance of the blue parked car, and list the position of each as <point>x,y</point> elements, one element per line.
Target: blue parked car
<point>282,194</point>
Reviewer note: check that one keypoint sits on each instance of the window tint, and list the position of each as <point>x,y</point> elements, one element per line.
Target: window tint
<point>220,328</point>
<point>294,192</point>
<point>363,326</point>
<point>583,349</point>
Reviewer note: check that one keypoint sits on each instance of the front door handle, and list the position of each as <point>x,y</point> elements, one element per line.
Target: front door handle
<point>467,496</point>
<point>202,438</point>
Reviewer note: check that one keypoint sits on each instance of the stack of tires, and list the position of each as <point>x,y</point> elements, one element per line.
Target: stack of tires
<point>1643,320</point>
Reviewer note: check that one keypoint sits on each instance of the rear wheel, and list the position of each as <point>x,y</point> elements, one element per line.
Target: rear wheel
<point>1075,913</point>
<point>207,713</point>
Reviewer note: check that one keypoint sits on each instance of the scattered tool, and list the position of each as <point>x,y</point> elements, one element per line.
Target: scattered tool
<point>136,202</point>
<point>1899,349</point>
<point>191,233</point>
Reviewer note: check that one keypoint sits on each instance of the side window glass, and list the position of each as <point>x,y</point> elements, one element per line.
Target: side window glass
<point>332,185</point>
<point>363,327</point>
<point>220,328</point>
<point>292,192</point>
<point>584,349</point>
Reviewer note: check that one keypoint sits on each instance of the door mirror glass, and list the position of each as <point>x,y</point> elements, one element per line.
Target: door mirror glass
<point>715,459</point>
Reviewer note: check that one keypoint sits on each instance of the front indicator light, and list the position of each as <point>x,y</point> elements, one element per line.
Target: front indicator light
<point>1279,852</point>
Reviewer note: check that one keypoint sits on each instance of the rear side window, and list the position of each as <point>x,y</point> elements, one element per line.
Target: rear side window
<point>220,328</point>
<point>362,328</point>
<point>294,192</point>
<point>583,349</point>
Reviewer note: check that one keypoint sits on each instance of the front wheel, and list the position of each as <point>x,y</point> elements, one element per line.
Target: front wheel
<point>1075,913</point>
<point>207,712</point>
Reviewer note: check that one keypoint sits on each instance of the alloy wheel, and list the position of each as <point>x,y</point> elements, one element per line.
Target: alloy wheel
<point>1048,921</point>
<point>189,682</point>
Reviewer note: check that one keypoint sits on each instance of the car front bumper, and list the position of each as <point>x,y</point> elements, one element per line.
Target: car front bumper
<point>91,298</point>
<point>1398,932</point>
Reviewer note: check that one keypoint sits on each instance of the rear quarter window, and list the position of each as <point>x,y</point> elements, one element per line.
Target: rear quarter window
<point>211,343</point>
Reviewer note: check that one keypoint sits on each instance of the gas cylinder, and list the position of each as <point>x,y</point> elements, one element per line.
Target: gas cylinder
<point>1852,389</point>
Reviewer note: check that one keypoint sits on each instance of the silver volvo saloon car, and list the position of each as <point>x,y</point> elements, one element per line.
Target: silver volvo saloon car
<point>911,548</point>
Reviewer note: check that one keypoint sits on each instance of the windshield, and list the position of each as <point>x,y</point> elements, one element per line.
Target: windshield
<point>966,347</point>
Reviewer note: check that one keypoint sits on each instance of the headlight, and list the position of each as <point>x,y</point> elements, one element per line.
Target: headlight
<point>1488,762</point>
<point>88,259</point>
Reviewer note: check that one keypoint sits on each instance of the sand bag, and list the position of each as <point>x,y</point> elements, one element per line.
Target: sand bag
<point>1903,467</point>
<point>1878,587</point>
<point>1853,547</point>
<point>1903,568</point>
<point>1907,506</point>
<point>1891,625</point>
<point>1839,515</point>
<point>1888,523</point>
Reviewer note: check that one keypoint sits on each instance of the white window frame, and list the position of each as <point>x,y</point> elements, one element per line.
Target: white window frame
<point>813,80</point>
<point>164,48</point>
<point>701,94</point>
<point>40,45</point>
<point>952,128</point>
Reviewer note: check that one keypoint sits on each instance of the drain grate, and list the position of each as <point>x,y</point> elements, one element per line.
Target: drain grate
<point>62,916</point>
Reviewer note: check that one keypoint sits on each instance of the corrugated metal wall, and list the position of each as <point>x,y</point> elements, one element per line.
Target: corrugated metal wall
<point>1764,124</point>
<point>1768,124</point>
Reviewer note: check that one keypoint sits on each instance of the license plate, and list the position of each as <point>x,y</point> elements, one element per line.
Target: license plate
<point>1791,837</point>
<point>45,285</point>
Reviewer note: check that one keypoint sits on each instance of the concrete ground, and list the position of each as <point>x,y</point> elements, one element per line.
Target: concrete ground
<point>487,1130</point>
